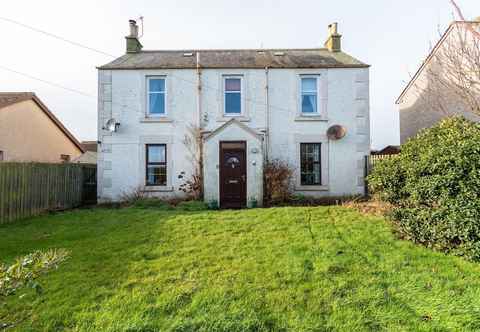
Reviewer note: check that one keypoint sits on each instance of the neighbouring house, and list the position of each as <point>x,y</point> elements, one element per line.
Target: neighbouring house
<point>29,132</point>
<point>446,84</point>
<point>388,150</point>
<point>250,106</point>
<point>90,154</point>
<point>90,146</point>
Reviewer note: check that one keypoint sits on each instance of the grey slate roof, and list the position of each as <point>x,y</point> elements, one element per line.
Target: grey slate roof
<point>261,58</point>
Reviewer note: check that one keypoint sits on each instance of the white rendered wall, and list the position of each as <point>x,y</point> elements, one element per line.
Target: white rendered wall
<point>344,99</point>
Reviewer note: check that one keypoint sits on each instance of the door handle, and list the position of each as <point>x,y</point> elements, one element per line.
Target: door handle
<point>232,181</point>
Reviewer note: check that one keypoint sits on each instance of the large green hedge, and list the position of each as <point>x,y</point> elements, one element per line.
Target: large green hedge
<point>434,184</point>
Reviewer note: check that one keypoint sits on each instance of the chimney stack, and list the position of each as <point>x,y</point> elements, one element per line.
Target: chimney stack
<point>133,44</point>
<point>334,41</point>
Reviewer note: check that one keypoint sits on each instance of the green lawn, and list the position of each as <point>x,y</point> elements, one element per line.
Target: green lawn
<point>138,269</point>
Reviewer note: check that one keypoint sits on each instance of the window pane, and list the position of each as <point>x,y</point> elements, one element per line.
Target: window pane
<point>157,175</point>
<point>233,103</point>
<point>156,85</point>
<point>310,164</point>
<point>309,103</point>
<point>309,84</point>
<point>157,103</point>
<point>316,173</point>
<point>156,153</point>
<point>233,84</point>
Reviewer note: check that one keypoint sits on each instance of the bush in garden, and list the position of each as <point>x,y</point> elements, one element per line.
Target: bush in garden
<point>278,179</point>
<point>434,184</point>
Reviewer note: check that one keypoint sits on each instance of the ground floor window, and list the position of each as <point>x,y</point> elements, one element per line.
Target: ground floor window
<point>65,158</point>
<point>310,164</point>
<point>156,165</point>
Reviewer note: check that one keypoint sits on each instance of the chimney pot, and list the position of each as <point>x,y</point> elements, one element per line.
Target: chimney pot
<point>133,28</point>
<point>333,28</point>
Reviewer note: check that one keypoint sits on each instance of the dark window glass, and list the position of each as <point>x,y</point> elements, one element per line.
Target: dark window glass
<point>310,164</point>
<point>156,160</point>
<point>1,155</point>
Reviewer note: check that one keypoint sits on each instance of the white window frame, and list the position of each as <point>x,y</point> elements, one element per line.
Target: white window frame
<point>142,157</point>
<point>324,162</point>
<point>224,92</point>
<point>318,83</point>
<point>165,93</point>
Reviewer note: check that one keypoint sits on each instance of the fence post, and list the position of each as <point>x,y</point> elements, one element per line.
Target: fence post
<point>366,172</point>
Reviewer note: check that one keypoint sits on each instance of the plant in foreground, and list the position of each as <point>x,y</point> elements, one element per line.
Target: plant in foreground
<point>27,269</point>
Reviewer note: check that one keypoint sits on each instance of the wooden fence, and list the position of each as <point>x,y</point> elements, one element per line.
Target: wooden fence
<point>373,159</point>
<point>370,162</point>
<point>27,189</point>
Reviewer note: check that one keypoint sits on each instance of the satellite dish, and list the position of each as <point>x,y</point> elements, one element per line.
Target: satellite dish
<point>111,125</point>
<point>336,132</point>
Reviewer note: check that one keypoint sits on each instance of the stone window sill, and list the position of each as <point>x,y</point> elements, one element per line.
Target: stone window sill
<point>310,118</point>
<point>150,189</point>
<point>238,118</point>
<point>311,188</point>
<point>156,120</point>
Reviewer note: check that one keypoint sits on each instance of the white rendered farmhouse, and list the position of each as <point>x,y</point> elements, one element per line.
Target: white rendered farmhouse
<point>251,106</point>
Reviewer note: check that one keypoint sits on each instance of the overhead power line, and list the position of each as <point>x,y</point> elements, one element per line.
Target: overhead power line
<point>48,82</point>
<point>56,36</point>
<point>262,103</point>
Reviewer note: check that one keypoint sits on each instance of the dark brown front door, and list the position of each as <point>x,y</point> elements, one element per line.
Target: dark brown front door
<point>233,175</point>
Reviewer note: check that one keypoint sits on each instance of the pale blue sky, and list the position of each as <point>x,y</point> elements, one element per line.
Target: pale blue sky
<point>393,36</point>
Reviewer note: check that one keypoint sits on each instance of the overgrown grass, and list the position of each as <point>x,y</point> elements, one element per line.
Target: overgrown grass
<point>279,269</point>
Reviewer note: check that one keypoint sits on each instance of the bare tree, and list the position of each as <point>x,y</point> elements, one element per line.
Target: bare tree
<point>451,81</point>
<point>460,15</point>
<point>193,141</point>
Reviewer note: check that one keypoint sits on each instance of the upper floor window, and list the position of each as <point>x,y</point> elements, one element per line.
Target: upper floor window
<point>156,164</point>
<point>156,96</point>
<point>309,94</point>
<point>232,91</point>
<point>310,164</point>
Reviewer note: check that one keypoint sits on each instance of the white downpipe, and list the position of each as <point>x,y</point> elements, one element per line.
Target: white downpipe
<point>267,117</point>
<point>199,92</point>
